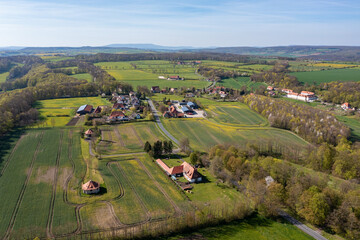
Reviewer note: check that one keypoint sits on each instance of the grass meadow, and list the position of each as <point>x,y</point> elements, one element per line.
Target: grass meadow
<point>85,76</point>
<point>146,73</point>
<point>204,134</point>
<point>3,76</point>
<point>317,77</point>
<point>253,227</point>
<point>238,83</point>
<point>128,137</point>
<point>354,124</point>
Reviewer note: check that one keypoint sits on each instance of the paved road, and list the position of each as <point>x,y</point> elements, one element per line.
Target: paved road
<point>302,226</point>
<point>158,122</point>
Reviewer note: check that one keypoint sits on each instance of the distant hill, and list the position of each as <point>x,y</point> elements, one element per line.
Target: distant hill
<point>323,53</point>
<point>148,46</point>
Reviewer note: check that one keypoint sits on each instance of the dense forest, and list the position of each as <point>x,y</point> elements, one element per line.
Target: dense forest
<point>277,76</point>
<point>341,92</point>
<point>307,194</point>
<point>312,124</point>
<point>107,57</point>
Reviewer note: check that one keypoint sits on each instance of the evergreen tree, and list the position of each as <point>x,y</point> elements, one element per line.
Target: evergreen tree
<point>147,147</point>
<point>158,149</point>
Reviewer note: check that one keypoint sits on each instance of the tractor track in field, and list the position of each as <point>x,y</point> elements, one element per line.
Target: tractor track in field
<point>121,187</point>
<point>65,196</point>
<point>11,154</point>
<point>146,210</point>
<point>168,198</point>
<point>117,133</point>
<point>137,136</point>
<point>49,232</point>
<point>112,211</point>
<point>23,189</point>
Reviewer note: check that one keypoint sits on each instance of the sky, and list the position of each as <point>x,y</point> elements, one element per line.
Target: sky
<point>200,23</point>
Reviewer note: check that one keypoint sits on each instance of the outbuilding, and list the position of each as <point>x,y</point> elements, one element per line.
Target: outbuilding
<point>91,187</point>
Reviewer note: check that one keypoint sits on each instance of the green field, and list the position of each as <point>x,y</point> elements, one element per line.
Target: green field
<point>3,76</point>
<point>234,66</point>
<point>236,114</point>
<point>204,134</point>
<point>146,73</point>
<point>354,124</point>
<point>238,83</point>
<point>43,159</point>
<point>342,75</point>
<point>128,137</point>
<point>85,76</point>
<point>254,227</point>
<point>72,102</point>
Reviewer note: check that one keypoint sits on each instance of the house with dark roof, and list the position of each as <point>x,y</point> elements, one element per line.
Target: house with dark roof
<point>84,109</point>
<point>98,110</point>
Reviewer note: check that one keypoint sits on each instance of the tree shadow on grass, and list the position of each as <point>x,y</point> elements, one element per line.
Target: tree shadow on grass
<point>222,230</point>
<point>7,142</point>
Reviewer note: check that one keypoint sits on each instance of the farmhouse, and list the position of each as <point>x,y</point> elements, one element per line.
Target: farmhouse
<point>270,88</point>
<point>98,110</point>
<point>84,109</point>
<point>185,169</point>
<point>91,187</point>
<point>191,173</point>
<point>174,78</point>
<point>346,106</point>
<point>89,133</point>
<point>155,89</point>
<point>118,116</point>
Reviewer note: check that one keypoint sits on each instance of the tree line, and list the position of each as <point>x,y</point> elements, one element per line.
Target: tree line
<point>312,124</point>
<point>108,57</point>
<point>306,194</point>
<point>341,92</point>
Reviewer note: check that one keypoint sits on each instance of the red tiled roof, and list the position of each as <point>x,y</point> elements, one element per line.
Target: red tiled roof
<point>346,104</point>
<point>90,185</point>
<point>115,114</point>
<point>88,108</point>
<point>176,170</point>
<point>89,131</point>
<point>163,165</point>
<point>307,93</point>
<point>190,171</point>
<point>98,110</point>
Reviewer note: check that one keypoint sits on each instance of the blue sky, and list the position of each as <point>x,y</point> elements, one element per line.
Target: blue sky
<point>179,23</point>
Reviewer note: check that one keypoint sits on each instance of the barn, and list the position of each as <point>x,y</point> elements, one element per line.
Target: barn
<point>84,109</point>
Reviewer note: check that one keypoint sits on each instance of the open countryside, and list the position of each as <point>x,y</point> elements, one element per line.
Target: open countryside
<point>180,120</point>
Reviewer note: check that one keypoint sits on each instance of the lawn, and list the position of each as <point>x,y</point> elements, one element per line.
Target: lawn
<point>317,77</point>
<point>253,227</point>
